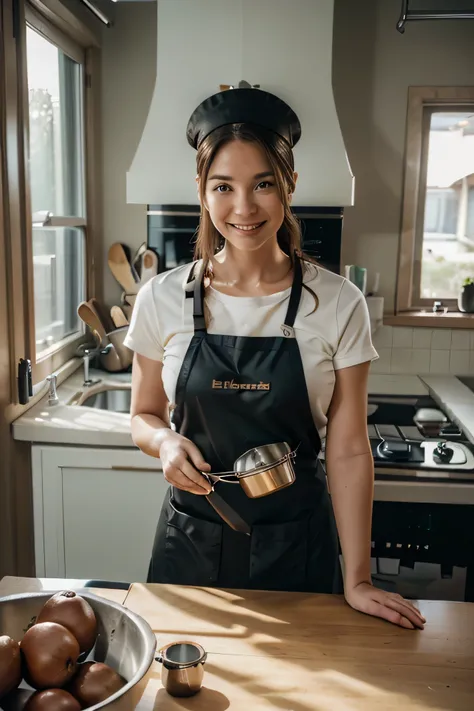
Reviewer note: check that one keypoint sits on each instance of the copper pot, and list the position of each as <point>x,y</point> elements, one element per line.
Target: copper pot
<point>261,470</point>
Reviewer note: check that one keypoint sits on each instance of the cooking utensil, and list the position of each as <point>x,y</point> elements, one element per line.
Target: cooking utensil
<point>102,313</point>
<point>118,317</point>
<point>261,470</point>
<point>121,268</point>
<point>125,642</point>
<point>227,513</point>
<point>116,338</point>
<point>129,299</point>
<point>183,668</point>
<point>91,318</point>
<point>149,267</point>
<point>137,259</point>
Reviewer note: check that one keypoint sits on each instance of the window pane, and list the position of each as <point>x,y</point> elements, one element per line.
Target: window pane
<point>448,239</point>
<point>56,128</point>
<point>59,283</point>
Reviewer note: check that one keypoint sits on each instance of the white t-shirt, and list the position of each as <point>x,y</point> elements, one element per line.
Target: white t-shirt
<point>337,335</point>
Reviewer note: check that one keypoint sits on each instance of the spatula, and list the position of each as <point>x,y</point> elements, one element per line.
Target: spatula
<point>103,314</point>
<point>121,268</point>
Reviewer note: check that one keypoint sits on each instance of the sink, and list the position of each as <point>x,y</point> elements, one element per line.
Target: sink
<point>117,400</point>
<point>467,380</point>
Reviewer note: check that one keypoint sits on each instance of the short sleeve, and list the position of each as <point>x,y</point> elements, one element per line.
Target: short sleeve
<point>354,333</point>
<point>144,335</point>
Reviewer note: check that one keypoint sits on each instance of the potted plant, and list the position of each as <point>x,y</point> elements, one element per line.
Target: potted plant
<point>466,296</point>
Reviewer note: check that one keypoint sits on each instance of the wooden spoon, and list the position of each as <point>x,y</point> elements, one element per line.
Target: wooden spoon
<point>121,268</point>
<point>118,317</point>
<point>89,315</point>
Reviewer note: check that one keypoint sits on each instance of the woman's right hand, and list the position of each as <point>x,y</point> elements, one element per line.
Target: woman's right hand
<point>182,461</point>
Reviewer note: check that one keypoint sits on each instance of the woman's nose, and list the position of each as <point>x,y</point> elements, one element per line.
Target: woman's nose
<point>244,203</point>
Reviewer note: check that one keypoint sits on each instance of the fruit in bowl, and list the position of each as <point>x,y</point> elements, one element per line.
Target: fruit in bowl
<point>10,665</point>
<point>49,635</point>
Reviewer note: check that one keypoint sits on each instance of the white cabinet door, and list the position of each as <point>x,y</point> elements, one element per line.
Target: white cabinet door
<point>96,512</point>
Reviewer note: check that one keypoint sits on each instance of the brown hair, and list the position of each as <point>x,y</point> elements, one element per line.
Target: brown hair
<point>280,156</point>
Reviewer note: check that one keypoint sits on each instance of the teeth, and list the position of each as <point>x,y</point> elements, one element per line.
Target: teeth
<point>247,228</point>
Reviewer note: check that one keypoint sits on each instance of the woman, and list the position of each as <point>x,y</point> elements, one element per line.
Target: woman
<point>252,311</point>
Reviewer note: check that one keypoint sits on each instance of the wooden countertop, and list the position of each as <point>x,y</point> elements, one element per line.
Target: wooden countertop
<point>298,652</point>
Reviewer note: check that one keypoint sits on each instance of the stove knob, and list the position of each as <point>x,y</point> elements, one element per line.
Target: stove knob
<point>442,454</point>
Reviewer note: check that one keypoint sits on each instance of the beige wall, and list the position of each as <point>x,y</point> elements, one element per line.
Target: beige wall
<point>373,66</point>
<point>128,79</point>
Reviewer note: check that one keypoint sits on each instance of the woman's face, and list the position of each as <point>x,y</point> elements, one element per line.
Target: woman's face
<point>242,196</point>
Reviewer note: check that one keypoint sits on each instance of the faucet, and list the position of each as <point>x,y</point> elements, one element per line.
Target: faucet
<point>87,355</point>
<point>53,398</point>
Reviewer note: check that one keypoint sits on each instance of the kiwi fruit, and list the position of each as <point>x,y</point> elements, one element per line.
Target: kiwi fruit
<point>95,682</point>
<point>73,612</point>
<point>10,664</point>
<point>52,700</point>
<point>50,653</point>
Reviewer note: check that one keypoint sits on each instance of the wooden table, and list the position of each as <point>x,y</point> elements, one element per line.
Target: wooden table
<point>298,652</point>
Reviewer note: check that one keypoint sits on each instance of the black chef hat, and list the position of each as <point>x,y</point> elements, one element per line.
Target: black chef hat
<point>243,106</point>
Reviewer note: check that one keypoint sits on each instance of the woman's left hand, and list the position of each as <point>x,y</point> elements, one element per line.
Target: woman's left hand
<point>389,606</point>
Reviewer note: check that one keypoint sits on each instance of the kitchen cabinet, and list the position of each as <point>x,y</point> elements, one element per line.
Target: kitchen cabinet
<point>95,512</point>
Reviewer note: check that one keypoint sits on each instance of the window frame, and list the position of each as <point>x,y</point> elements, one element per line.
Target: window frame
<point>80,44</point>
<point>422,102</point>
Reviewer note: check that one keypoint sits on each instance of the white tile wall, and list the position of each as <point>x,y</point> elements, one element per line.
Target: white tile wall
<point>424,350</point>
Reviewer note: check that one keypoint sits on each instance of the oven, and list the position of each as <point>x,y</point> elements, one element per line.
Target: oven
<point>426,522</point>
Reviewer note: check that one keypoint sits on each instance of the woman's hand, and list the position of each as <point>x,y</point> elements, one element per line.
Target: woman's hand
<point>181,460</point>
<point>389,606</point>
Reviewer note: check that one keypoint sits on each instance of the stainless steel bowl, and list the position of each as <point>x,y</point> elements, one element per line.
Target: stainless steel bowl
<point>125,642</point>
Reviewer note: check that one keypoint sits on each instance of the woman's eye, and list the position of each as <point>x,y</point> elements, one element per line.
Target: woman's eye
<point>222,188</point>
<point>264,184</point>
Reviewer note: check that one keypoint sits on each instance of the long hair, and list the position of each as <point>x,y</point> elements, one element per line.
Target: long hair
<point>280,156</point>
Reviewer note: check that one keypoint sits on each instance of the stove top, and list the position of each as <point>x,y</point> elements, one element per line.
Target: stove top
<point>413,437</point>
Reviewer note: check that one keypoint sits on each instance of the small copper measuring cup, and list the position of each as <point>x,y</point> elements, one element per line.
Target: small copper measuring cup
<point>183,668</point>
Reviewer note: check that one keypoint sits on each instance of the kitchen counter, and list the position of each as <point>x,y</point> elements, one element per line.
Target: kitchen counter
<point>69,423</point>
<point>304,652</point>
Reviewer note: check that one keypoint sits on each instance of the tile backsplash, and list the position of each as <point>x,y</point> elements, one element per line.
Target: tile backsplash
<point>423,350</point>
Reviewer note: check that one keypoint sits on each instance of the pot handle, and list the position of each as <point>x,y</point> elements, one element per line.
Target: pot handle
<point>225,477</point>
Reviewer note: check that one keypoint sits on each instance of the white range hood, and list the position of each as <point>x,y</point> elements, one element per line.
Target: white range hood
<point>285,46</point>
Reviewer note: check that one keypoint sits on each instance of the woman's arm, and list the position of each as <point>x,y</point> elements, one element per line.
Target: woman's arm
<point>151,430</point>
<point>350,471</point>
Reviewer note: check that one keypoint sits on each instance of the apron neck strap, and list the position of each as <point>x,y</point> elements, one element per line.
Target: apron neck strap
<point>295,296</point>
<point>196,278</point>
<point>194,290</point>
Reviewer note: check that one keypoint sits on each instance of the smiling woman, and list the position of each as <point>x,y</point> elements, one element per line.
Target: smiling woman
<point>232,346</point>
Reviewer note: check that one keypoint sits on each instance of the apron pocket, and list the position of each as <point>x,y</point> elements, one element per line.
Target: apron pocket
<point>192,548</point>
<point>278,556</point>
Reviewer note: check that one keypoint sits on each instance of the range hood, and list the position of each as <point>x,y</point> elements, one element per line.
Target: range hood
<point>285,48</point>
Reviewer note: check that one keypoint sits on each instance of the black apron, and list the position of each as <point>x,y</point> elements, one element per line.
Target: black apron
<point>234,393</point>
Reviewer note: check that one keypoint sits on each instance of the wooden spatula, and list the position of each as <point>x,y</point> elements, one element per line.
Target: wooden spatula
<point>103,314</point>
<point>118,317</point>
<point>121,268</point>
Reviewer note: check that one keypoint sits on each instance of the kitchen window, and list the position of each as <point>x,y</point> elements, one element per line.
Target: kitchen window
<point>51,91</point>
<point>437,237</point>
<point>56,159</point>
